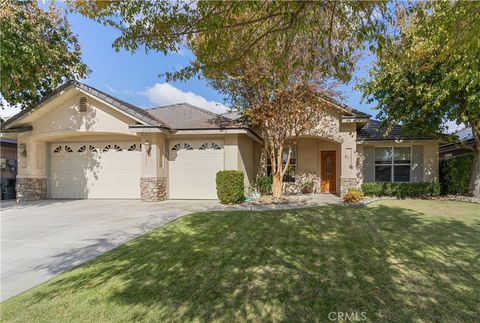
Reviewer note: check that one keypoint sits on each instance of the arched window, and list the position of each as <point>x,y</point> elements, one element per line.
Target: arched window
<point>117,148</point>
<point>176,147</point>
<point>107,148</point>
<point>58,149</point>
<point>187,146</point>
<point>68,149</point>
<point>134,147</point>
<point>92,149</point>
<point>82,149</point>
<point>215,146</point>
<point>203,146</point>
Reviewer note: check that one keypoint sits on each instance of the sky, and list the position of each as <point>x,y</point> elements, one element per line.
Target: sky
<point>136,78</point>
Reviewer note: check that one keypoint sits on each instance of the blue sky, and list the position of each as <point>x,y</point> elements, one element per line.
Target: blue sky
<point>135,77</point>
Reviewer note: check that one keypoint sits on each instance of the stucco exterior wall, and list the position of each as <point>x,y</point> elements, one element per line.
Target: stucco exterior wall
<point>430,161</point>
<point>246,159</point>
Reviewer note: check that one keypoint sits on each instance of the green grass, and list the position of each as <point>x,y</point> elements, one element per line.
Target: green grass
<point>407,260</point>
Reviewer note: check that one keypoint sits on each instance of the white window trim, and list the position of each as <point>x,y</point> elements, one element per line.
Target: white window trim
<point>392,164</point>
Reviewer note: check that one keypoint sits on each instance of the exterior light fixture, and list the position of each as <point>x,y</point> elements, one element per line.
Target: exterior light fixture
<point>22,148</point>
<point>148,147</point>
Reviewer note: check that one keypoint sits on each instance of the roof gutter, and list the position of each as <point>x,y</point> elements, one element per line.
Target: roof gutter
<point>249,131</point>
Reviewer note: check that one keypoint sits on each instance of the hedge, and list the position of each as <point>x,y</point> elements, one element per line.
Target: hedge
<point>455,174</point>
<point>230,187</point>
<point>402,190</point>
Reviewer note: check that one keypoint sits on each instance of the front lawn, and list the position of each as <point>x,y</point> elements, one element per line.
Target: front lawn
<point>394,260</point>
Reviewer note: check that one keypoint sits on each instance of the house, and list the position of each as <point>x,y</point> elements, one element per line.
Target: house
<point>465,145</point>
<point>82,143</point>
<point>8,168</point>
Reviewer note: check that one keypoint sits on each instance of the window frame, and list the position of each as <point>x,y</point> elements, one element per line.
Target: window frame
<point>294,155</point>
<point>392,164</point>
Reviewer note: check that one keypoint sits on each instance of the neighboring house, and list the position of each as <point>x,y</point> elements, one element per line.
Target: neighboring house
<point>463,146</point>
<point>82,143</point>
<point>8,168</point>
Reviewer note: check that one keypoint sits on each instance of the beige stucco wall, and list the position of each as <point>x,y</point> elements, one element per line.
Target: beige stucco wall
<point>332,129</point>
<point>246,159</point>
<point>309,157</point>
<point>430,161</point>
<point>60,120</point>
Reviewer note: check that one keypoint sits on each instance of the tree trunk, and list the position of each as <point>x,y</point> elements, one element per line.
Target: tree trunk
<point>475,176</point>
<point>277,187</point>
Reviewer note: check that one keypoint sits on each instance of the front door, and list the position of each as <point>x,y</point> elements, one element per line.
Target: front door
<point>328,173</point>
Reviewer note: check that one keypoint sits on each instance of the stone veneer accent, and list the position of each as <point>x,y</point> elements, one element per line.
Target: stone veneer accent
<point>153,189</point>
<point>346,183</point>
<point>300,180</point>
<point>31,189</point>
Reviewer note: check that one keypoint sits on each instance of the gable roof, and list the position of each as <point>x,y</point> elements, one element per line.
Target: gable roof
<point>373,130</point>
<point>183,116</point>
<point>126,107</point>
<point>346,108</point>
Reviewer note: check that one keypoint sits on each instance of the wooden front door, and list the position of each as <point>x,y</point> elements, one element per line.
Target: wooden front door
<point>328,174</point>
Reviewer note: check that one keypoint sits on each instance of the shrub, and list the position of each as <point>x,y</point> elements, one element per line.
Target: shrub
<point>353,196</point>
<point>402,190</point>
<point>455,174</point>
<point>307,188</point>
<point>263,184</point>
<point>230,187</point>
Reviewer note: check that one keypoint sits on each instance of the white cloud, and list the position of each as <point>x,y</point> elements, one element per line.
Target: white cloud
<point>452,126</point>
<point>165,94</point>
<point>9,111</point>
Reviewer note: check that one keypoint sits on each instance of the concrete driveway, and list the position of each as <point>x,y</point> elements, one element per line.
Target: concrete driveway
<point>43,239</point>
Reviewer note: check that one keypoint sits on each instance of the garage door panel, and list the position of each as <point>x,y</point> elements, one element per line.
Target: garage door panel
<point>192,170</point>
<point>95,172</point>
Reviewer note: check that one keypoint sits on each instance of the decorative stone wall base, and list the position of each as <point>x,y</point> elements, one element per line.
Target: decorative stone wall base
<point>31,189</point>
<point>153,189</point>
<point>346,183</point>
<point>300,181</point>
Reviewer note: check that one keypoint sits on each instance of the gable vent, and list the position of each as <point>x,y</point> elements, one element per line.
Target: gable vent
<point>82,107</point>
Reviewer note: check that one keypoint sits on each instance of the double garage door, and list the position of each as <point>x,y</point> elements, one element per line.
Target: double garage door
<point>113,170</point>
<point>95,170</point>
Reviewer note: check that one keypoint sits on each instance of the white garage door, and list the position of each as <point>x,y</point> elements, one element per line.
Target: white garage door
<point>193,165</point>
<point>95,170</point>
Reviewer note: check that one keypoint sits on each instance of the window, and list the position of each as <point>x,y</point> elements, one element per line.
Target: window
<point>215,146</point>
<point>203,146</point>
<point>3,163</point>
<point>134,147</point>
<point>58,149</point>
<point>392,164</point>
<point>292,166</point>
<point>107,148</point>
<point>117,148</point>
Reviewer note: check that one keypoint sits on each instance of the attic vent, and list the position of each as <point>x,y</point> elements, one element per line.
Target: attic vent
<point>82,107</point>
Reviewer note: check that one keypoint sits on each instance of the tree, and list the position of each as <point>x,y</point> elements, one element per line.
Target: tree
<point>429,72</point>
<point>282,103</point>
<point>234,30</point>
<point>38,52</point>
<point>275,61</point>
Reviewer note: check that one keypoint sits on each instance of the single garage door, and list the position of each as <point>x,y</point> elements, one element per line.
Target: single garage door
<point>192,167</point>
<point>95,170</point>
